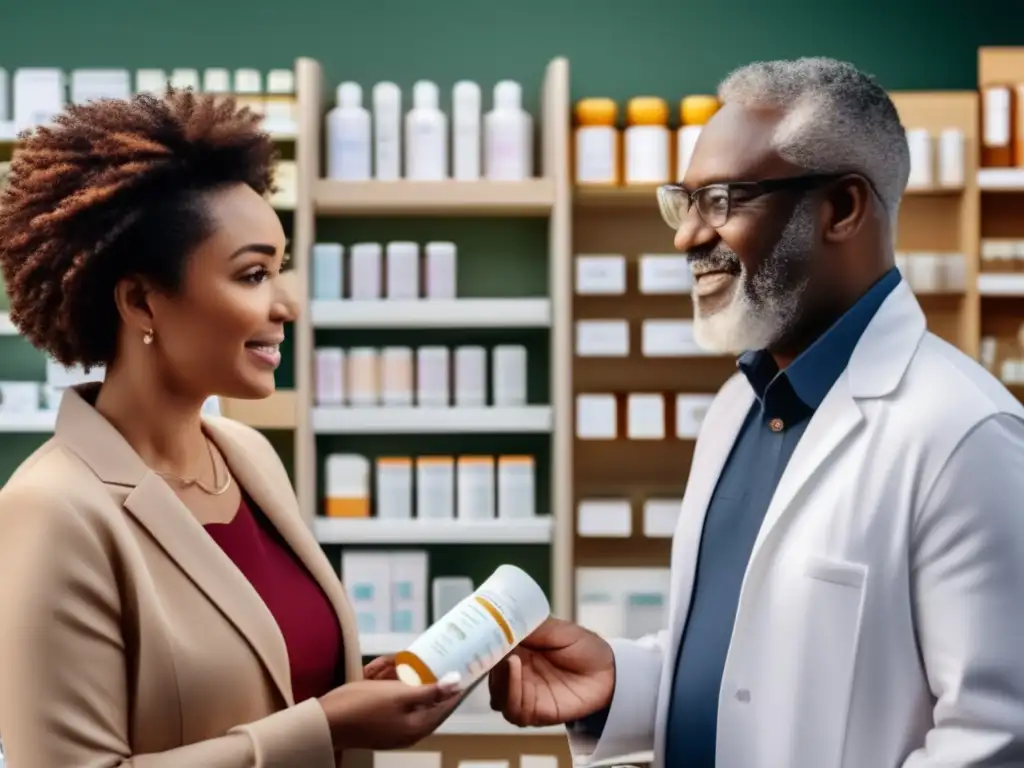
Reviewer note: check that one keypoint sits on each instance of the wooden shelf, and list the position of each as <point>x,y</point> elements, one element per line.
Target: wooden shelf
<point>534,197</point>
<point>279,411</point>
<point>600,197</point>
<point>432,313</point>
<point>372,530</point>
<point>397,420</point>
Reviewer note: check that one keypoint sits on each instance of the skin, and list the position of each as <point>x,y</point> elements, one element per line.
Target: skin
<point>231,296</point>
<point>563,672</point>
<point>853,246</point>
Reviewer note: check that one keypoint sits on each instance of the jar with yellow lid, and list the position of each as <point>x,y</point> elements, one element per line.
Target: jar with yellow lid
<point>694,113</point>
<point>647,141</point>
<point>598,145</point>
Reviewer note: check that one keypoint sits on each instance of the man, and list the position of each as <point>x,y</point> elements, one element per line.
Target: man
<point>848,567</point>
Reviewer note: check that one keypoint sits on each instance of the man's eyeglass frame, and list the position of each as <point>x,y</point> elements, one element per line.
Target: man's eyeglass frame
<point>672,197</point>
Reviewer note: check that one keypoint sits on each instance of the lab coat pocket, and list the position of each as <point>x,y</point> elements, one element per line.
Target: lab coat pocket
<point>835,606</point>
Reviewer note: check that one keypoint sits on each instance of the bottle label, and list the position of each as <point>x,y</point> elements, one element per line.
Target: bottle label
<point>474,636</point>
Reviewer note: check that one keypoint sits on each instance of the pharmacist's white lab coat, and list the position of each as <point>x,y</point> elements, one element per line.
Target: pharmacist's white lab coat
<point>881,618</point>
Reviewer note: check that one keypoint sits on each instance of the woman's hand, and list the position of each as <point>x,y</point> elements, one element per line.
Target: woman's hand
<point>386,714</point>
<point>381,668</point>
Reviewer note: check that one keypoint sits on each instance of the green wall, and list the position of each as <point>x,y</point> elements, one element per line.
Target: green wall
<point>663,47</point>
<point>668,47</point>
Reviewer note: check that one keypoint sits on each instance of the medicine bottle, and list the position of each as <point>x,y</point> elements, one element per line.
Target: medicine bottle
<point>348,136</point>
<point>694,113</point>
<point>598,144</point>
<point>508,135</point>
<point>426,135</point>
<point>466,131</point>
<point>387,131</point>
<point>997,126</point>
<point>478,632</point>
<point>647,141</point>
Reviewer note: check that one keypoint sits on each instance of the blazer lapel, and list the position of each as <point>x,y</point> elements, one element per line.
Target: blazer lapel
<point>277,501</point>
<point>155,506</point>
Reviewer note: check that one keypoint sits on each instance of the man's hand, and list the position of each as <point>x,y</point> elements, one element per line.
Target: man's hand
<point>560,673</point>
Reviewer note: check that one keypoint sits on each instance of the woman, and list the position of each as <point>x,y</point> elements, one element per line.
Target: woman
<point>161,602</point>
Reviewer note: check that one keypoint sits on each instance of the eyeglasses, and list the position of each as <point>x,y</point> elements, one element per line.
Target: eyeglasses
<point>714,202</point>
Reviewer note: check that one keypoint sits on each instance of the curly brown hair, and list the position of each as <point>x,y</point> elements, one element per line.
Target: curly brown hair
<point>114,188</point>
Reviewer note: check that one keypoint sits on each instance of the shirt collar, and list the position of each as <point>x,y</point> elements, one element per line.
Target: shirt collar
<point>818,367</point>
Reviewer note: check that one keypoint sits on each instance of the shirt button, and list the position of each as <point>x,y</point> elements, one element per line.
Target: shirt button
<point>743,696</point>
<point>776,425</point>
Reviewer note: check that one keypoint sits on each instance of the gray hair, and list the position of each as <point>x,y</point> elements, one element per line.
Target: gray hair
<point>836,118</point>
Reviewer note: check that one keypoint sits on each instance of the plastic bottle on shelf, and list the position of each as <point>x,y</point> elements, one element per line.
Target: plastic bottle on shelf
<point>598,144</point>
<point>387,131</point>
<point>426,135</point>
<point>466,131</point>
<point>694,113</point>
<point>647,141</point>
<point>508,135</point>
<point>348,136</point>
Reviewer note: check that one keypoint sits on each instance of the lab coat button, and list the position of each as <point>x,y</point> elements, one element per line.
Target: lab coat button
<point>743,696</point>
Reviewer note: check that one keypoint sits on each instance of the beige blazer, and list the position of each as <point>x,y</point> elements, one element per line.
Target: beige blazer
<point>127,637</point>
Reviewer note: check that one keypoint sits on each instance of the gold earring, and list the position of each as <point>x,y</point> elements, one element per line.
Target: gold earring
<point>147,337</point>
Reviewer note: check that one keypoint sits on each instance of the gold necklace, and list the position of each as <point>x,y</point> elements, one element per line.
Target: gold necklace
<point>195,481</point>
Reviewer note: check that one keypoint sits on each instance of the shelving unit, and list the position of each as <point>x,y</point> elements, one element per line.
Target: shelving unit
<point>326,206</point>
<point>435,313</point>
<point>398,420</point>
<point>1001,281</point>
<point>939,220</point>
<point>351,531</point>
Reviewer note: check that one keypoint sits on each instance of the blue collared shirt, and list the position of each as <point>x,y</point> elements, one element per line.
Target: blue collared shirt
<point>783,406</point>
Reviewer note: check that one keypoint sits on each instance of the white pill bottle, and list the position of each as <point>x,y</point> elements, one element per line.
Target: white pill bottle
<point>478,632</point>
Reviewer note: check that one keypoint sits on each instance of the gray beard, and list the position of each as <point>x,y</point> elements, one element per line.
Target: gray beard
<point>766,307</point>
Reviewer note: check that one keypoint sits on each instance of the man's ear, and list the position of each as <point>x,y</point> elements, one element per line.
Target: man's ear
<point>848,206</point>
<point>132,297</point>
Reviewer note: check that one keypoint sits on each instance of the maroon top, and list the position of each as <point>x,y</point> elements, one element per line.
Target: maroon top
<point>303,612</point>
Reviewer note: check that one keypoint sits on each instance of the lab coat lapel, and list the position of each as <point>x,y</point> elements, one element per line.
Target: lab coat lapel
<point>831,426</point>
<point>876,367</point>
<point>718,435</point>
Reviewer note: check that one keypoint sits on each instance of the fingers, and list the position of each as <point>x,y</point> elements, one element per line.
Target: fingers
<point>497,684</point>
<point>513,709</point>
<point>446,688</point>
<point>381,668</point>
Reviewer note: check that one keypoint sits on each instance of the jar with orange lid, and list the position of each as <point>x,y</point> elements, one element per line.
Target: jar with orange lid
<point>694,113</point>
<point>647,141</point>
<point>598,145</point>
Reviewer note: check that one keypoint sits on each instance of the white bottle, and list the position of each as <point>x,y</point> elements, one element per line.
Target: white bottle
<point>387,131</point>
<point>508,135</point>
<point>686,142</point>
<point>466,131</point>
<point>348,136</point>
<point>426,135</point>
